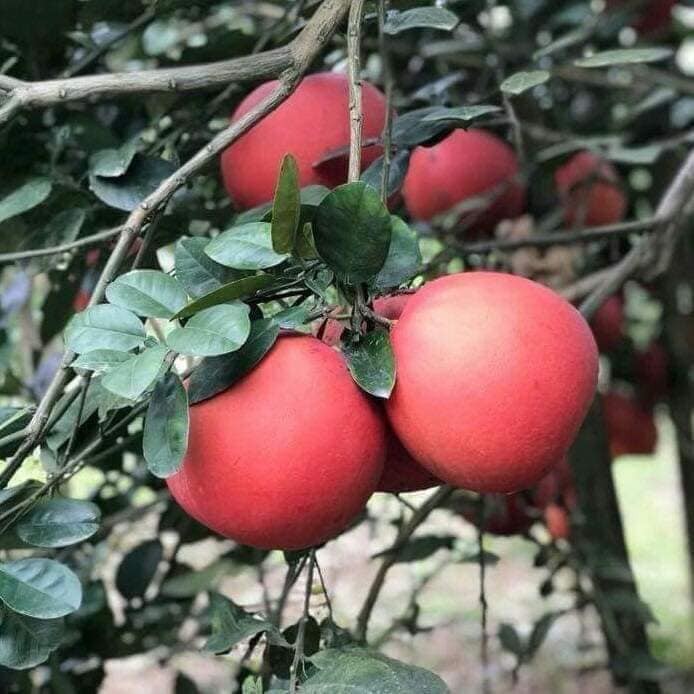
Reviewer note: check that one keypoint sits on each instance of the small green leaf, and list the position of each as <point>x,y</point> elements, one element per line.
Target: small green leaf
<point>104,327</point>
<point>148,293</point>
<point>403,259</point>
<point>26,642</point>
<point>539,633</point>
<point>212,331</point>
<point>111,163</point>
<point>420,548</point>
<point>29,195</point>
<point>238,289</point>
<point>196,271</point>
<point>511,641</point>
<point>215,374</point>
<point>245,247</point>
<point>624,56</point>
<point>351,230</point>
<point>420,18</point>
<point>133,377</point>
<point>232,624</point>
<point>522,81</point>
<point>100,360</point>
<point>58,522</point>
<point>372,364</point>
<point>286,208</point>
<point>141,179</point>
<point>137,569</point>
<point>41,588</point>
<point>414,127</point>
<point>165,436</point>
<point>462,114</point>
<point>362,671</point>
<point>373,176</point>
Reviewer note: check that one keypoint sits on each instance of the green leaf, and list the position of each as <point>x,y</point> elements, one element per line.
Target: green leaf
<point>510,640</point>
<point>100,360</point>
<point>420,18</point>
<point>280,658</point>
<point>624,56</point>
<point>238,289</point>
<point>25,641</point>
<point>413,128</point>
<point>522,81</point>
<point>212,331</point>
<point>403,259</point>
<point>165,436</point>
<point>196,271</point>
<point>30,195</point>
<point>112,163</point>
<point>148,293</point>
<point>245,247</point>
<point>216,374</point>
<point>372,364</point>
<point>141,179</point>
<point>58,522</point>
<point>462,114</point>
<point>133,377</point>
<point>104,327</point>
<point>137,569</point>
<point>63,228</point>
<point>420,548</point>
<point>232,624</point>
<point>286,208</point>
<point>252,685</point>
<point>189,584</point>
<point>41,588</point>
<point>361,671</point>
<point>351,230</point>
<point>373,176</point>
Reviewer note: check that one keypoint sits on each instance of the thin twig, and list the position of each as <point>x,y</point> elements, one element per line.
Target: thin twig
<point>406,531</point>
<point>484,635</point>
<point>355,104</point>
<point>301,632</point>
<point>388,89</point>
<point>62,248</point>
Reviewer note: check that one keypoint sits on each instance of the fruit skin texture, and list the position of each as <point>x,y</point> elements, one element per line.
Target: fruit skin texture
<point>589,191</point>
<point>310,124</point>
<point>288,456</point>
<point>608,324</point>
<point>495,374</point>
<point>465,164</point>
<point>630,425</point>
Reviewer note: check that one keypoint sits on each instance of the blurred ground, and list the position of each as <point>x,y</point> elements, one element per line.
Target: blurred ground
<point>571,659</point>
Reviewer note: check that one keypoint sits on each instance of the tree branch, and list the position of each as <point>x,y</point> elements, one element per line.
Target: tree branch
<point>355,105</point>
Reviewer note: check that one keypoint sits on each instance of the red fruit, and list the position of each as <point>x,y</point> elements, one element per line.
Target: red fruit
<point>654,17</point>
<point>466,164</point>
<point>504,514</point>
<point>589,188</point>
<point>608,324</point>
<point>287,457</point>
<point>330,331</point>
<point>630,426</point>
<point>495,374</point>
<point>81,300</point>
<point>401,473</point>
<point>556,485</point>
<point>651,371</point>
<point>310,124</point>
<point>391,306</point>
<point>557,522</point>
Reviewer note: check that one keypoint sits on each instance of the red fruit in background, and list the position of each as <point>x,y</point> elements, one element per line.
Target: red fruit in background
<point>504,514</point>
<point>630,425</point>
<point>310,124</point>
<point>654,16</point>
<point>556,485</point>
<point>557,522</point>
<point>81,300</point>
<point>651,371</point>
<point>287,457</point>
<point>589,189</point>
<point>495,374</point>
<point>391,306</point>
<point>466,164</point>
<point>608,323</point>
<point>401,473</point>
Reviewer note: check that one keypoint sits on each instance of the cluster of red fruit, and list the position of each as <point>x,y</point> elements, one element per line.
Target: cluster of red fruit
<point>494,372</point>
